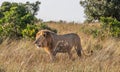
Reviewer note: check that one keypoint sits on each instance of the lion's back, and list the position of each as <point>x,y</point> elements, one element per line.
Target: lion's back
<point>71,38</point>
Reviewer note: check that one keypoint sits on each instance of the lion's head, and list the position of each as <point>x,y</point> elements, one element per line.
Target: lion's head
<point>43,39</point>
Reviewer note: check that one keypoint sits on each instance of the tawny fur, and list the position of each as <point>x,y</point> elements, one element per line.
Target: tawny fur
<point>48,40</point>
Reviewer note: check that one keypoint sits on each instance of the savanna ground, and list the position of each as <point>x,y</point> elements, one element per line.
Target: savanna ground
<point>23,56</point>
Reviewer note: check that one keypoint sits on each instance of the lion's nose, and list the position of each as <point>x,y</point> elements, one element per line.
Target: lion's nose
<point>39,45</point>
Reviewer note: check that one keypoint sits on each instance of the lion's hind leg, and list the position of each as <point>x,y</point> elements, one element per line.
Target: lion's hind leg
<point>70,55</point>
<point>52,57</point>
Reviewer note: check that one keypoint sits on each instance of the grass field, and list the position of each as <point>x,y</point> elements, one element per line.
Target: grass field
<point>23,56</point>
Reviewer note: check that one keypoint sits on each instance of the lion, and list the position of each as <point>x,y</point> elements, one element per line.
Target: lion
<point>50,42</point>
<point>62,47</point>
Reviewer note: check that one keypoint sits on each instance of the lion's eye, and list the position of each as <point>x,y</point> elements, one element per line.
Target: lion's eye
<point>44,35</point>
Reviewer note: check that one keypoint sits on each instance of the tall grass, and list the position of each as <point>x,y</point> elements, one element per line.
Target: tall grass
<point>23,56</point>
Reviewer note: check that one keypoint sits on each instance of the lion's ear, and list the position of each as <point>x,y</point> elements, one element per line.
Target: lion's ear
<point>46,34</point>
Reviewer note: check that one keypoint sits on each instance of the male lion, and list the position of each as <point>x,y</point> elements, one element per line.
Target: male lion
<point>48,40</point>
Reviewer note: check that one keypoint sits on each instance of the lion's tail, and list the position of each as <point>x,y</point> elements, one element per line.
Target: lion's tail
<point>80,51</point>
<point>87,54</point>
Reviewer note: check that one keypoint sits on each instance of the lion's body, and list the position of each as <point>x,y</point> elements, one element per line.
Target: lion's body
<point>73,41</point>
<point>51,41</point>
<point>62,47</point>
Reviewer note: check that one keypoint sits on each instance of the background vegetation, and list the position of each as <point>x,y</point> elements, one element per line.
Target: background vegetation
<point>17,20</point>
<point>23,56</point>
<point>105,11</point>
<point>94,9</point>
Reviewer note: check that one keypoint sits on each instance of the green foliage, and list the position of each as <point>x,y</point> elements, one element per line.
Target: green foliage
<point>1,29</point>
<point>94,31</point>
<point>31,30</point>
<point>33,8</point>
<point>14,17</point>
<point>90,30</point>
<point>17,20</point>
<point>111,25</point>
<point>106,11</point>
<point>1,33</point>
<point>94,9</point>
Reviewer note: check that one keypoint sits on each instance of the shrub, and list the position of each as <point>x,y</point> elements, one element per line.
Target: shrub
<point>18,20</point>
<point>111,25</point>
<point>1,29</point>
<point>31,30</point>
<point>9,30</point>
<point>95,32</point>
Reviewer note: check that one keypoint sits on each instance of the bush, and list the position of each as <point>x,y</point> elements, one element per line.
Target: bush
<point>31,30</point>
<point>94,31</point>
<point>111,25</point>
<point>9,30</point>
<point>17,20</point>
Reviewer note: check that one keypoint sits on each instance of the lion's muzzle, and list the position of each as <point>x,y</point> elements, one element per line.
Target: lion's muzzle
<point>37,44</point>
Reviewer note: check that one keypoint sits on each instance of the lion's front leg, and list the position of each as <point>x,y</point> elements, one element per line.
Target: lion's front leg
<point>50,53</point>
<point>52,57</point>
<point>70,55</point>
<point>54,52</point>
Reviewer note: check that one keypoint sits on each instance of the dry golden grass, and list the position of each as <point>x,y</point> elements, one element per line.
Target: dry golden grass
<point>23,56</point>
